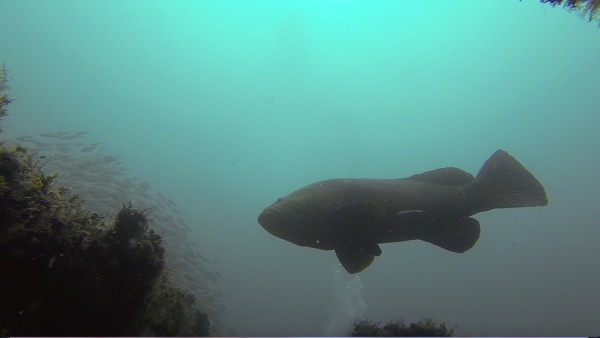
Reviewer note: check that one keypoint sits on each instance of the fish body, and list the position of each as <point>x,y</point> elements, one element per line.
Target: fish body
<point>353,216</point>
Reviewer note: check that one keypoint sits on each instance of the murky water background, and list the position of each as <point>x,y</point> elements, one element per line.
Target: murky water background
<point>211,110</point>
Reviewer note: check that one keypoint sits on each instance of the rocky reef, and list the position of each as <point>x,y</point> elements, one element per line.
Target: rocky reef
<point>68,270</point>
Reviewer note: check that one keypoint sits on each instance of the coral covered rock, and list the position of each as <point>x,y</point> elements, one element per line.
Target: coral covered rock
<point>67,271</point>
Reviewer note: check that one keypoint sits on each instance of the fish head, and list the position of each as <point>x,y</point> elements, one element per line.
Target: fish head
<point>299,218</point>
<point>280,221</point>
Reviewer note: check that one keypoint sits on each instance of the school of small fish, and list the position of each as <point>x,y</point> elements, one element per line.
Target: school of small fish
<point>104,183</point>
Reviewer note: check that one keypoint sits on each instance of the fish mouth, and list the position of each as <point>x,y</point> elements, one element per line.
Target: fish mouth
<point>273,220</point>
<point>280,221</point>
<point>269,218</point>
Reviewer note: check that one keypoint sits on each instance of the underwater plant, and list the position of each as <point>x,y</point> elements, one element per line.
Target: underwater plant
<point>68,271</point>
<point>422,328</point>
<point>106,184</point>
<point>4,99</point>
<point>589,8</point>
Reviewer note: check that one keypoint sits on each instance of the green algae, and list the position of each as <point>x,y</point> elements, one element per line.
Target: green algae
<point>67,271</point>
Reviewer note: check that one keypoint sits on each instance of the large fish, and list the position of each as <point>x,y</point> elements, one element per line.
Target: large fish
<point>353,216</point>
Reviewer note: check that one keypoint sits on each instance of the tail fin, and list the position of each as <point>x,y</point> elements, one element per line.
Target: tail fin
<point>503,182</point>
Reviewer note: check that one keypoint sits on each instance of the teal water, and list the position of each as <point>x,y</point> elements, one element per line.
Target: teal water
<point>227,105</point>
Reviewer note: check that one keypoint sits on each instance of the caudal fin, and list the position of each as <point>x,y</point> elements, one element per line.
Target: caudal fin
<point>503,182</point>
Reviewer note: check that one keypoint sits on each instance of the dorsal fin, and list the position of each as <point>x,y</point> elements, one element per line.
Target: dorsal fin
<point>450,176</point>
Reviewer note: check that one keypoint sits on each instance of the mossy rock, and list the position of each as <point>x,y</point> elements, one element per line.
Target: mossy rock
<point>66,271</point>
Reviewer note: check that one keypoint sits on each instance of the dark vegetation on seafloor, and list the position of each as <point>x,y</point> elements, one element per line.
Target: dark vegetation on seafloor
<point>67,271</point>
<point>422,328</point>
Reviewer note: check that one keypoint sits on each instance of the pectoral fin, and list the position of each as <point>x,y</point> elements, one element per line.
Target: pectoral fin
<point>354,234</point>
<point>457,235</point>
<point>357,257</point>
<point>356,214</point>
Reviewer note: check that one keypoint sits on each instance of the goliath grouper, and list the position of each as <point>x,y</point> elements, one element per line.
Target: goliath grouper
<point>353,216</point>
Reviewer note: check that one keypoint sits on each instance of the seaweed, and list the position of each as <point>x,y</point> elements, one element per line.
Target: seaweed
<point>423,328</point>
<point>68,271</point>
<point>5,100</point>
<point>589,8</point>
